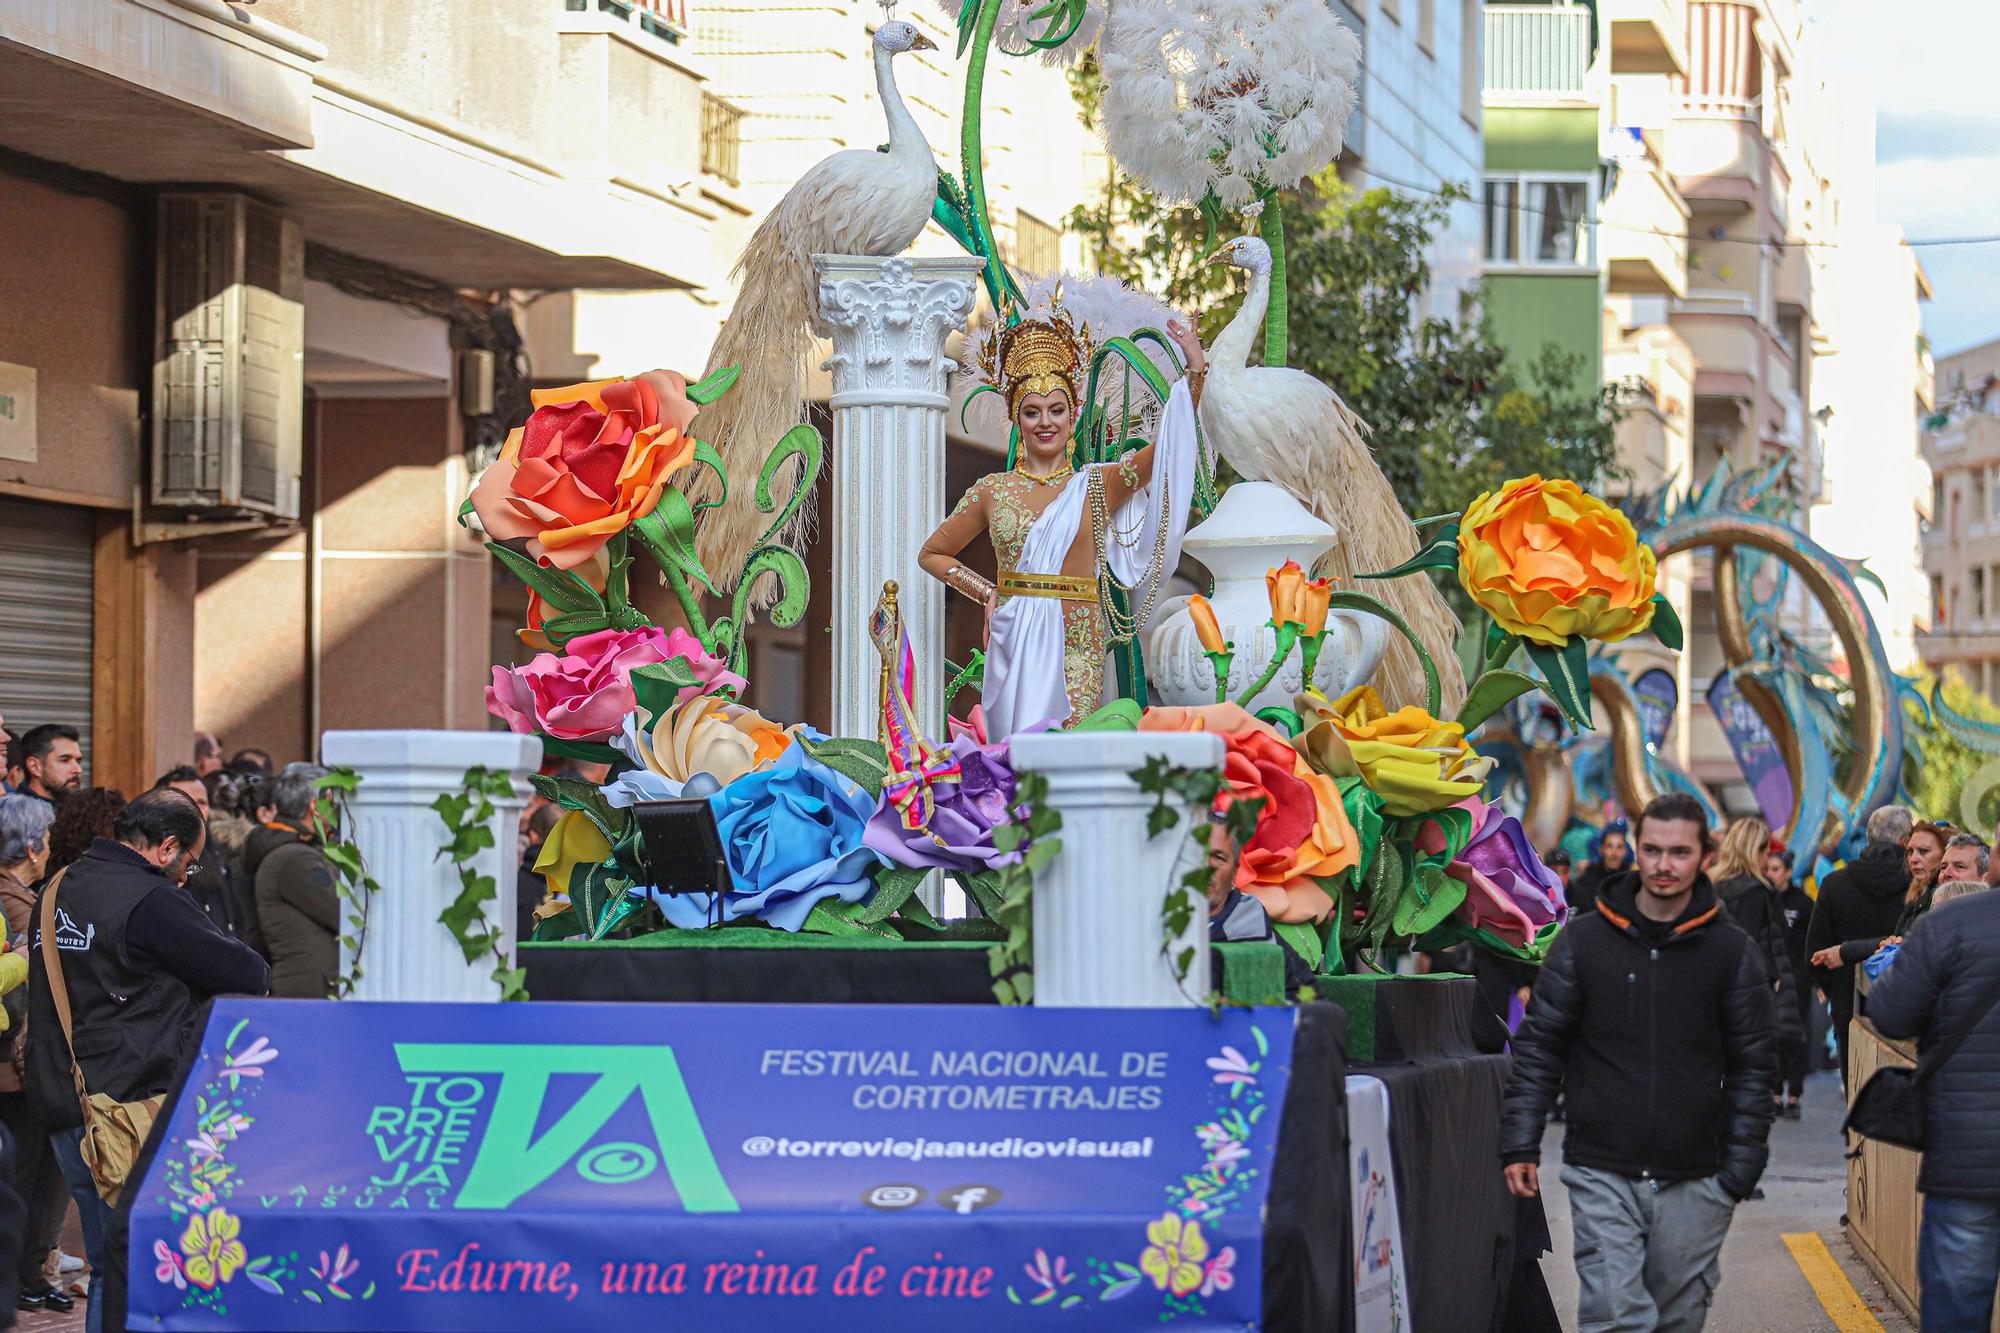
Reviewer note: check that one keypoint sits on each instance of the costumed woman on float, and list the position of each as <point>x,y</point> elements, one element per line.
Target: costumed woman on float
<point>1065,540</point>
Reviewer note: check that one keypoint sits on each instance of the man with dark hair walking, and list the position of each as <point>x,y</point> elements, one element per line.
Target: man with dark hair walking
<point>1654,1017</point>
<point>51,761</point>
<point>138,959</point>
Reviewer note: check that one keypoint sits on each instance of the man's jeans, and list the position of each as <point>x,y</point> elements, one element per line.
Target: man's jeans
<point>1647,1252</point>
<point>1958,1263</point>
<point>90,1211</point>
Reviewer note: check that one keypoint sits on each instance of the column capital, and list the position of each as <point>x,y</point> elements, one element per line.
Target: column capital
<point>888,318</point>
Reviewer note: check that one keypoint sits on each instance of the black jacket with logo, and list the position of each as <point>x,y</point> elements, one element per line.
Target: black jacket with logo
<point>1661,1037</point>
<point>139,958</point>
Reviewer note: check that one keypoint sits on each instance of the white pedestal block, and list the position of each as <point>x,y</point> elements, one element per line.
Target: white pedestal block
<point>1098,932</point>
<point>888,319</point>
<point>406,954</point>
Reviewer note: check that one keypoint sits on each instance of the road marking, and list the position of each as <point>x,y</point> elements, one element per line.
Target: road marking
<point>1843,1305</point>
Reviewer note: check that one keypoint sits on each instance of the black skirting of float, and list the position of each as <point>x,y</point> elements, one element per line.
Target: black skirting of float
<point>1471,1250</point>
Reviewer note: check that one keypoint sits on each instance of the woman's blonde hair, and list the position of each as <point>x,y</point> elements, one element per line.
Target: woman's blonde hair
<point>1743,850</point>
<point>1957,888</point>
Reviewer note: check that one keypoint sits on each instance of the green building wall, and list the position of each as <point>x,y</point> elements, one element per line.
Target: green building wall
<point>1527,309</point>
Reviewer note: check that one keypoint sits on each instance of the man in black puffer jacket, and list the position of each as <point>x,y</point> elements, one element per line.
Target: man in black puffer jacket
<point>1858,905</point>
<point>1654,1018</point>
<point>1946,966</point>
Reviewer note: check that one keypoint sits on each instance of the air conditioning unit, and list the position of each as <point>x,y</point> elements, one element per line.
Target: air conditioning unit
<point>229,360</point>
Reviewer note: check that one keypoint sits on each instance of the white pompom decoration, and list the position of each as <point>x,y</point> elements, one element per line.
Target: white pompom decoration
<point>1234,96</point>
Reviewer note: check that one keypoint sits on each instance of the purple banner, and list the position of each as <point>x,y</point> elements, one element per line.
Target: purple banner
<point>1658,696</point>
<point>1756,751</point>
<point>553,1167</point>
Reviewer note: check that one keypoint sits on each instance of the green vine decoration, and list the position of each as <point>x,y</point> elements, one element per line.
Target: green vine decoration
<point>468,816</point>
<point>1032,833</point>
<point>357,887</point>
<point>1173,789</point>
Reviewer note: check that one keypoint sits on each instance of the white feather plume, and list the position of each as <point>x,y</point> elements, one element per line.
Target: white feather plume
<point>1017,23</point>
<point>1198,93</point>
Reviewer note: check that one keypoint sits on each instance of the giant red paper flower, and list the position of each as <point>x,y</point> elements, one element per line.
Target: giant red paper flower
<point>592,460</point>
<point>1302,834</point>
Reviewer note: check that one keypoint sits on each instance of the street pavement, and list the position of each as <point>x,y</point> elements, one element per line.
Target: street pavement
<point>1763,1290</point>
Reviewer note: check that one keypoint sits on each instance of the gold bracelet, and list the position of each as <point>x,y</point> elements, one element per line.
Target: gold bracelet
<point>967,583</point>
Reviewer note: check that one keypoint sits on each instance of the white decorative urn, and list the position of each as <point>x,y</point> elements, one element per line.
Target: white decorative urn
<point>1257,527</point>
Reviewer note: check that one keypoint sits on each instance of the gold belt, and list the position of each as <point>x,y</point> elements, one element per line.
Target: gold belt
<point>1068,587</point>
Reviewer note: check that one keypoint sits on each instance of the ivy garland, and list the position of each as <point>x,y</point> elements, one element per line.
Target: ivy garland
<point>350,868</point>
<point>1032,834</point>
<point>468,823</point>
<point>468,820</point>
<point>1197,790</point>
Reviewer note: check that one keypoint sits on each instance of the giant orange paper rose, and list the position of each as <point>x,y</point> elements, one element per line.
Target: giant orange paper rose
<point>591,460</point>
<point>1414,762</point>
<point>1549,562</point>
<point>1303,833</point>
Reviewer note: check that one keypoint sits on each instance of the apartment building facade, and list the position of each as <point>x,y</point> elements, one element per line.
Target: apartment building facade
<point>1961,548</point>
<point>254,269</point>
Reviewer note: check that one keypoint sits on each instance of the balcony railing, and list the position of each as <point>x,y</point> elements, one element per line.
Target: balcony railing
<point>721,138</point>
<point>665,19</point>
<point>1537,51</point>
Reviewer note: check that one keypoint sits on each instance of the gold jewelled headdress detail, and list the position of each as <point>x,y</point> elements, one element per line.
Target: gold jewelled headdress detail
<point>1035,355</point>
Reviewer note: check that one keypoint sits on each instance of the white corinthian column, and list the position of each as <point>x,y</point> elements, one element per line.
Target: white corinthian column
<point>888,319</point>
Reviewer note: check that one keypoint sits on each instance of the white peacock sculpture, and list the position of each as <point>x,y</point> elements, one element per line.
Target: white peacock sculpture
<point>857,202</point>
<point>1283,426</point>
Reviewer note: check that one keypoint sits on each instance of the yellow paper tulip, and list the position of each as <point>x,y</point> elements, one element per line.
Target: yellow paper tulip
<point>573,842</point>
<point>1206,627</point>
<point>1286,586</point>
<point>1315,597</point>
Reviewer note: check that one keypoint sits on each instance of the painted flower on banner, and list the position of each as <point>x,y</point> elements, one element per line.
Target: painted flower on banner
<point>1550,562</point>
<point>1303,833</point>
<point>585,692</point>
<point>792,834</point>
<point>1177,1254</point>
<point>213,1251</point>
<point>591,460</point>
<point>168,1266</point>
<point>1220,1274</point>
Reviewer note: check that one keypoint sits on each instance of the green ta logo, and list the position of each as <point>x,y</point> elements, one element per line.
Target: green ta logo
<point>512,1160</point>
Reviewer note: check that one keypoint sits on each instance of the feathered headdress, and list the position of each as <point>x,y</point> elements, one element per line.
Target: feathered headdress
<point>1035,355</point>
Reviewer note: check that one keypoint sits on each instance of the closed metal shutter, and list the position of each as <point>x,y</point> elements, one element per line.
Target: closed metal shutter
<point>45,616</point>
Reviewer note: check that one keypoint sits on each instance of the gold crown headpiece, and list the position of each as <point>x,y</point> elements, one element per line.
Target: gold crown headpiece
<point>1035,355</point>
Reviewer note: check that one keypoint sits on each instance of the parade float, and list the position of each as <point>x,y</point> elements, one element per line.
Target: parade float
<point>884,1112</point>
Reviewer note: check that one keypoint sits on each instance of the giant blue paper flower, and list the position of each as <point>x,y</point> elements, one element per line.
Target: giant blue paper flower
<point>792,835</point>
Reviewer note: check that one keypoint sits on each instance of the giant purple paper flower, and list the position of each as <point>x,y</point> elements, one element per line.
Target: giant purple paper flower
<point>1508,890</point>
<point>967,811</point>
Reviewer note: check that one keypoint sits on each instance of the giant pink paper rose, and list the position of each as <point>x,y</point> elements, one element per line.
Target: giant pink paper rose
<point>585,692</point>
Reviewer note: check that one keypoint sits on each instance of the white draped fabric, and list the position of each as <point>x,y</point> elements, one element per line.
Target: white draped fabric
<point>1024,653</point>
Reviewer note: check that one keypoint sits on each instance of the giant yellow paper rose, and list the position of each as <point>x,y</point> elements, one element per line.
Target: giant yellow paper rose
<point>1414,762</point>
<point>1549,562</point>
